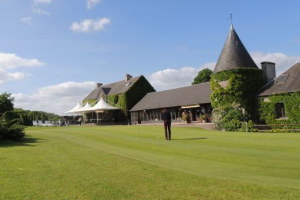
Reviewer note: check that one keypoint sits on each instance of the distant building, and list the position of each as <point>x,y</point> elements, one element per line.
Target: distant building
<point>279,99</point>
<point>195,100</point>
<point>236,81</point>
<point>122,94</point>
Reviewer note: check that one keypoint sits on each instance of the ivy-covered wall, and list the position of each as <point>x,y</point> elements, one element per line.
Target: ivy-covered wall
<point>242,86</point>
<point>91,101</point>
<point>136,92</point>
<point>291,103</point>
<point>233,96</point>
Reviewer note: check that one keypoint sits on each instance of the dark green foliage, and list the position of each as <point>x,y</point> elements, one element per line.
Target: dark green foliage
<point>12,120</point>
<point>90,101</point>
<point>203,76</point>
<point>233,114</point>
<point>242,88</point>
<point>248,127</point>
<point>28,116</point>
<point>136,92</point>
<point>292,108</point>
<point>6,102</point>
<point>232,125</point>
<point>228,118</point>
<point>238,93</point>
<point>10,126</point>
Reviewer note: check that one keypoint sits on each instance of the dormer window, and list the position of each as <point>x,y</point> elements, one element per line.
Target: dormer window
<point>282,78</point>
<point>127,84</point>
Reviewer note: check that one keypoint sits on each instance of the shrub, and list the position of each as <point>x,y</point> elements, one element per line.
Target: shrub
<point>225,118</point>
<point>232,125</point>
<point>249,127</point>
<point>10,127</point>
<point>218,114</point>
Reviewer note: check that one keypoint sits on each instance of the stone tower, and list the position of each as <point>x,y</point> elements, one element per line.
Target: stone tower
<point>236,80</point>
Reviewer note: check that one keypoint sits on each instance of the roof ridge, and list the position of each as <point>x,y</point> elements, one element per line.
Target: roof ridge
<point>182,87</point>
<point>121,81</point>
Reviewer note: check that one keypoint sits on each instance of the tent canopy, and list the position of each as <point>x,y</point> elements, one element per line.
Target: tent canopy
<point>75,109</point>
<point>102,105</point>
<point>86,108</point>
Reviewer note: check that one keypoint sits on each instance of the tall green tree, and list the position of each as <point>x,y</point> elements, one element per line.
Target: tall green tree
<point>203,76</point>
<point>6,102</point>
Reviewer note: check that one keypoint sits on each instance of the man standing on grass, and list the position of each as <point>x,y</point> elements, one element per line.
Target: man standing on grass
<point>166,117</point>
<point>80,121</point>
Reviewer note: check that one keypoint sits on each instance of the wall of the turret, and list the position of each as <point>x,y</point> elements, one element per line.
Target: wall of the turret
<point>236,89</point>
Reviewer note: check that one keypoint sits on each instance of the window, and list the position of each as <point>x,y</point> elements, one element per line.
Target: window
<point>280,111</point>
<point>282,78</point>
<point>127,84</point>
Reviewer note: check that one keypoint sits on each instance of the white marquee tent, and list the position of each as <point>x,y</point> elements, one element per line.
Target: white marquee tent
<point>75,109</point>
<point>100,107</point>
<point>86,108</point>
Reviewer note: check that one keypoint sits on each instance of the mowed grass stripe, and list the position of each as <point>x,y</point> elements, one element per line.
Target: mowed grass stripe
<point>112,162</point>
<point>217,160</point>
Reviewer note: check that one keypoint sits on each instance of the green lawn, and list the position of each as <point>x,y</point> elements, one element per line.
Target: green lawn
<point>134,162</point>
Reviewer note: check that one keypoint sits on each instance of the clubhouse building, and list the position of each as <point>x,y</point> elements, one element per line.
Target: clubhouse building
<point>140,103</point>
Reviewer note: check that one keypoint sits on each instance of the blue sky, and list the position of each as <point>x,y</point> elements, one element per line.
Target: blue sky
<point>55,50</point>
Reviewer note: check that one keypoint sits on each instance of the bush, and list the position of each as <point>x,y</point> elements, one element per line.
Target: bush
<point>232,125</point>
<point>233,114</point>
<point>249,127</point>
<point>226,118</point>
<point>218,114</point>
<point>10,127</point>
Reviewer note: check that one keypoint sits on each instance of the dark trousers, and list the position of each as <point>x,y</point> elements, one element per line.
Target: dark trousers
<point>167,125</point>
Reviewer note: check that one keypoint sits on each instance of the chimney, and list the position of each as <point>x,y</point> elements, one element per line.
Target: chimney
<point>268,70</point>
<point>98,85</point>
<point>127,77</point>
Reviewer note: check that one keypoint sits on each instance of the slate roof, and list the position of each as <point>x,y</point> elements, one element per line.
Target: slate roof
<point>234,55</point>
<point>289,81</point>
<point>191,95</point>
<point>112,88</point>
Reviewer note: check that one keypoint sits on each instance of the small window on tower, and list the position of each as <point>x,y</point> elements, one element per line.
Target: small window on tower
<point>282,78</point>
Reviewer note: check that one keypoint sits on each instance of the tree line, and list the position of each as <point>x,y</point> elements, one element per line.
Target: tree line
<point>13,120</point>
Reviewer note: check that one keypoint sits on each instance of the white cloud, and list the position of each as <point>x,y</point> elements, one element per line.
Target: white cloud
<point>11,61</point>
<point>174,78</point>
<point>6,76</point>
<point>90,25</point>
<point>91,3</point>
<point>282,61</point>
<point>27,20</point>
<point>42,2</point>
<point>55,98</point>
<point>40,12</point>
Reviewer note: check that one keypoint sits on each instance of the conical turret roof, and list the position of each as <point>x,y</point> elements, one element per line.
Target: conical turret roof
<point>234,55</point>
